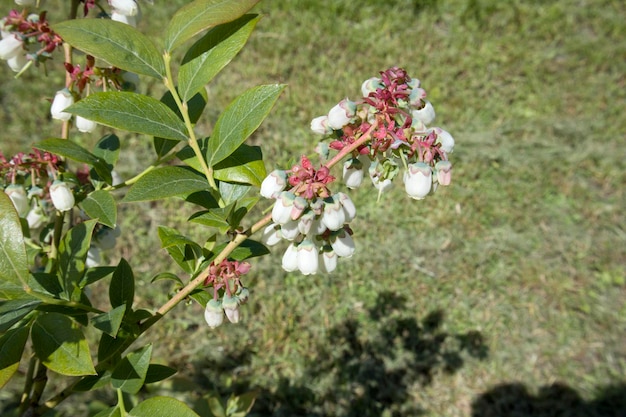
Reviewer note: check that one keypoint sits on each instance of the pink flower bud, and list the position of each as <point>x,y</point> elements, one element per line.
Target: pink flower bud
<point>320,126</point>
<point>299,205</point>
<point>444,172</point>
<point>62,100</point>
<point>61,195</point>
<point>214,314</point>
<point>308,258</point>
<point>341,114</point>
<point>18,197</point>
<point>10,47</point>
<point>274,184</point>
<point>418,180</point>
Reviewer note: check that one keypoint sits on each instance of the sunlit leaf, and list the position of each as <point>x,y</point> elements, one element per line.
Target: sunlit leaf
<point>11,349</point>
<point>100,205</point>
<point>61,345</point>
<point>13,260</point>
<point>201,15</point>
<point>72,254</point>
<point>130,374</point>
<point>118,44</point>
<point>168,181</point>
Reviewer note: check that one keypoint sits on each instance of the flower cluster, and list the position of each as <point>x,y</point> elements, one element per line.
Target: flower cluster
<point>32,183</point>
<point>389,127</point>
<point>226,276</point>
<point>310,216</point>
<point>21,32</point>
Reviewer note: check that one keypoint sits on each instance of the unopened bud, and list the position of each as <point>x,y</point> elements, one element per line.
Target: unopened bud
<point>18,197</point>
<point>62,100</point>
<point>61,195</point>
<point>214,314</point>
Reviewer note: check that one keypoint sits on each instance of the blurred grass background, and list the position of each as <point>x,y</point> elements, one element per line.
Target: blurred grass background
<point>501,295</point>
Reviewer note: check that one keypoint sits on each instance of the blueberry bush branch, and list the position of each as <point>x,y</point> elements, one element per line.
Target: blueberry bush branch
<point>59,212</point>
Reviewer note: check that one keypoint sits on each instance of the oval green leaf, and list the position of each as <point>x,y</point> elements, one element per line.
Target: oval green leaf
<point>13,311</point>
<point>245,166</point>
<point>132,112</point>
<point>110,321</point>
<point>211,53</point>
<point>100,205</point>
<point>242,117</point>
<point>11,348</point>
<point>122,288</point>
<point>162,406</point>
<point>72,254</point>
<point>61,345</point>
<point>130,374</point>
<point>119,44</point>
<point>168,181</point>
<point>201,15</point>
<point>13,260</point>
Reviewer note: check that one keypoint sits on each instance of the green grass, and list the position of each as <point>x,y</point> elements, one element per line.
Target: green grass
<point>501,295</point>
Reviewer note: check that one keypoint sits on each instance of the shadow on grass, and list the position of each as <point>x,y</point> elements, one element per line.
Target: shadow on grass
<point>366,367</point>
<point>514,400</point>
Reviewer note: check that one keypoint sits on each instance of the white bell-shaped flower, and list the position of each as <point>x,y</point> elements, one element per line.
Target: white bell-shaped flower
<point>290,258</point>
<point>320,126</point>
<point>418,180</point>
<point>125,7</point>
<point>17,62</point>
<point>274,184</point>
<point>334,216</point>
<point>281,212</point>
<point>10,47</point>
<point>231,308</point>
<point>348,206</point>
<point>61,195</point>
<point>308,258</point>
<point>343,245</point>
<point>370,86</point>
<point>214,313</point>
<point>62,100</point>
<point>271,235</point>
<point>289,231</point>
<point>341,114</point>
<point>353,173</point>
<point>85,125</point>
<point>445,139</point>
<point>328,261</point>
<point>18,197</point>
<point>426,114</point>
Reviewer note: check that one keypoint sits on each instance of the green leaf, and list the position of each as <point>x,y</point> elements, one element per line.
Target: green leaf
<point>119,44</point>
<point>72,254</point>
<point>110,346</point>
<point>203,199</point>
<point>14,310</point>
<point>168,181</point>
<point>95,274</point>
<point>195,107</point>
<point>245,166</point>
<point>242,117</point>
<point>240,404</point>
<point>201,296</point>
<point>130,374</point>
<point>211,53</point>
<point>183,251</point>
<point>217,217</point>
<point>201,15</point>
<point>122,288</point>
<point>232,192</point>
<point>107,150</point>
<point>248,249</point>
<point>92,382</point>
<point>167,276</point>
<point>76,153</point>
<point>158,373</point>
<point>11,348</point>
<point>110,321</point>
<point>13,260</point>
<point>61,345</point>
<point>100,205</point>
<point>132,112</point>
<point>162,406</point>
<point>216,407</point>
<point>110,412</point>
<point>46,283</point>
